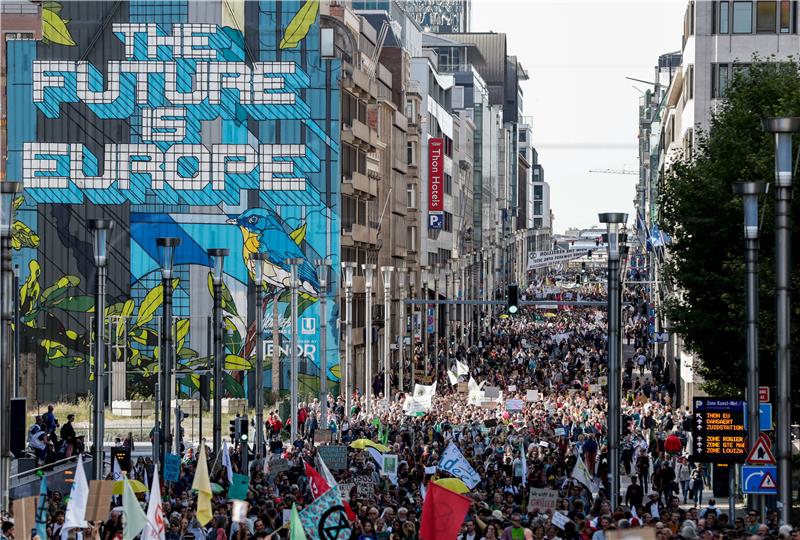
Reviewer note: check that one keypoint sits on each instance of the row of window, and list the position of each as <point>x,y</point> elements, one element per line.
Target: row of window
<point>760,17</point>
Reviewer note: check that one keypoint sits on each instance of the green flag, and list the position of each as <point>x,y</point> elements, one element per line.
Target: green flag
<point>135,518</point>
<point>296,531</point>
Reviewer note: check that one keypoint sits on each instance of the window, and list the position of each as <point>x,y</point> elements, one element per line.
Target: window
<point>448,184</point>
<point>412,238</point>
<point>723,15</point>
<point>766,16</point>
<point>742,17</point>
<point>348,214</point>
<point>786,14</point>
<point>411,153</point>
<point>537,193</point>
<point>537,208</point>
<point>448,222</point>
<point>411,199</point>
<point>720,75</point>
<point>690,81</point>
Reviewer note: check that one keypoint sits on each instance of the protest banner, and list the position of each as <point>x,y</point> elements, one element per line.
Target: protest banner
<point>542,500</point>
<point>172,467</point>
<point>594,388</point>
<point>560,520</point>
<point>334,456</point>
<point>532,395</point>
<point>454,462</point>
<point>514,404</point>
<point>277,466</point>
<point>512,388</point>
<point>491,392</point>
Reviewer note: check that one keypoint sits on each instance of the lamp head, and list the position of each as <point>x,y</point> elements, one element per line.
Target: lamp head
<point>749,192</point>
<point>613,221</point>
<point>348,269</point>
<point>258,258</point>
<point>8,192</point>
<point>100,230</point>
<point>166,248</point>
<point>218,263</point>
<point>322,271</point>
<point>368,274</point>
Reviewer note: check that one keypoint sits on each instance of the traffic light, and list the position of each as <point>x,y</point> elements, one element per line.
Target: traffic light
<point>234,429</point>
<point>597,241</point>
<point>589,255</point>
<point>242,432</point>
<point>512,299</point>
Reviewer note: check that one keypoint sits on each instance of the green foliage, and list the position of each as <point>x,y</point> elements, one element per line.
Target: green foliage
<point>705,220</point>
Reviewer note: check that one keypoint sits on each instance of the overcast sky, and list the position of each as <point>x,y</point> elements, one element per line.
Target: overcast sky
<point>585,113</point>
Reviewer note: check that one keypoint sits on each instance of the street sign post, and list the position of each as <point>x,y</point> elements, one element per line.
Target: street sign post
<point>760,479</point>
<point>763,394</point>
<point>764,417</point>
<point>719,432</point>
<point>761,453</point>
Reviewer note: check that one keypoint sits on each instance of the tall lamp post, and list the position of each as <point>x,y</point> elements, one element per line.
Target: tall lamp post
<point>426,286</point>
<point>100,228</point>
<point>218,261</point>
<point>437,274</point>
<point>750,192</point>
<point>387,329</point>
<point>166,247</point>
<point>293,263</point>
<point>369,273</point>
<point>257,260</point>
<point>322,276</point>
<point>783,128</point>
<point>401,286</point>
<point>348,268</point>
<point>613,222</point>
<point>8,191</point>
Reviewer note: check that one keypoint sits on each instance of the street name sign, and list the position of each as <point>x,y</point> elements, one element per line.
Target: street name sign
<point>718,430</point>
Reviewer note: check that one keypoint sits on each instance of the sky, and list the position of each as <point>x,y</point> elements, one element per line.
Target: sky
<point>584,110</point>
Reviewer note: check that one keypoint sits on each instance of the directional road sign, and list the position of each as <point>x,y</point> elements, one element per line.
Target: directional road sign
<point>718,429</point>
<point>764,417</point>
<point>760,479</point>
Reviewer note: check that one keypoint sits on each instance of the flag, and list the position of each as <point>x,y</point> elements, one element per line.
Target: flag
<point>116,470</point>
<point>453,377</point>
<point>334,486</point>
<point>581,474</point>
<point>443,512</point>
<point>41,510</point>
<point>154,528</point>
<point>524,456</point>
<point>203,486</point>
<point>325,518</point>
<point>377,456</point>
<point>461,368</point>
<point>135,519</point>
<point>296,531</point>
<point>75,517</point>
<point>226,461</point>
<point>316,482</point>
<point>453,462</point>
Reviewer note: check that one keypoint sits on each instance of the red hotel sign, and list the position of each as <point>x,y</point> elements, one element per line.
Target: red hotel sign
<point>435,174</point>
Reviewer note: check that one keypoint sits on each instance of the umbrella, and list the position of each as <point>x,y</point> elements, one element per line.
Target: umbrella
<point>453,484</point>
<point>136,486</point>
<point>360,444</point>
<point>215,488</point>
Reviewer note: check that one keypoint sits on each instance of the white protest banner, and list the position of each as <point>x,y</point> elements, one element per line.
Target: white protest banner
<point>492,392</point>
<point>532,395</point>
<point>594,388</point>
<point>542,500</point>
<point>514,404</point>
<point>512,388</point>
<point>454,462</point>
<point>560,520</point>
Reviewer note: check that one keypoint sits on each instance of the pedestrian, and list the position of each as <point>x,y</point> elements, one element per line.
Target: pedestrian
<point>697,481</point>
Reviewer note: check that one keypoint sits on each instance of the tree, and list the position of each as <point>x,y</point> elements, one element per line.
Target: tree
<point>705,220</point>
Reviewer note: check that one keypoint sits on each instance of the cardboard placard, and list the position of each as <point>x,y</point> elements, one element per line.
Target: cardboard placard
<point>543,500</point>
<point>514,404</point>
<point>489,405</point>
<point>25,516</point>
<point>560,520</point>
<point>277,466</point>
<point>334,456</point>
<point>512,388</point>
<point>322,436</point>
<point>99,503</point>
<point>239,486</point>
<point>172,467</point>
<point>594,388</point>
<point>531,395</point>
<point>366,489</point>
<point>645,533</point>
<point>463,387</point>
<point>491,392</point>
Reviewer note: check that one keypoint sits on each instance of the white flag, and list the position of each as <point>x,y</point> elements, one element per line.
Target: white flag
<point>116,470</point>
<point>581,474</point>
<point>461,369</point>
<point>453,377</point>
<point>78,498</point>
<point>454,462</point>
<point>154,529</point>
<point>226,461</point>
<point>325,472</point>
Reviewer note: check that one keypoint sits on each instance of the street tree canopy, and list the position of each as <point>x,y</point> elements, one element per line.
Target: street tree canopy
<point>705,219</point>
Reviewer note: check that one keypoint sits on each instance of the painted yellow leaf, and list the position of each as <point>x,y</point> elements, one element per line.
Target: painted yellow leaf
<point>152,301</point>
<point>299,234</point>
<point>234,362</point>
<point>336,371</point>
<point>54,29</point>
<point>300,25</point>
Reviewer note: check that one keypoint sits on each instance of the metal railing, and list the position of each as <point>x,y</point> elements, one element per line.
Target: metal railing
<point>48,466</point>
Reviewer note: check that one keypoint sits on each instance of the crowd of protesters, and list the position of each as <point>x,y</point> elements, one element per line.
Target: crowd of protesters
<point>561,355</point>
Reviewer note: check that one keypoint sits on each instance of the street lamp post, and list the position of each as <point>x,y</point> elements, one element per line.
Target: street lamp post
<point>783,128</point>
<point>750,192</point>
<point>322,276</point>
<point>613,222</point>
<point>401,286</point>
<point>348,268</point>
<point>425,284</point>
<point>218,261</point>
<point>258,259</point>
<point>387,330</point>
<point>100,228</point>
<point>166,247</point>
<point>412,285</point>
<point>293,263</point>
<point>437,272</point>
<point>448,320</point>
<point>369,274</point>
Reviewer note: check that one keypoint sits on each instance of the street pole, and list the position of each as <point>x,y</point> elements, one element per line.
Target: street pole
<point>166,248</point>
<point>425,284</point>
<point>401,285</point>
<point>218,255</point>
<point>448,311</point>
<point>750,192</point>
<point>437,269</point>
<point>322,277</point>
<point>258,259</point>
<point>293,264</point>
<point>783,128</point>
<point>613,221</point>
<point>369,270</point>
<point>348,268</point>
<point>387,330</point>
<point>100,228</point>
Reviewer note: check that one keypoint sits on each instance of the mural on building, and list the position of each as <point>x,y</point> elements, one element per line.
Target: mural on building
<point>214,122</point>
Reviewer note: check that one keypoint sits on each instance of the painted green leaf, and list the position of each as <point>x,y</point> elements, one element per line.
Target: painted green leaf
<point>299,234</point>
<point>233,339</point>
<point>303,302</point>
<point>54,349</point>
<point>144,336</point>
<point>29,292</point>
<point>152,301</point>
<point>66,361</point>
<point>18,202</point>
<point>234,362</point>
<point>58,291</point>
<point>300,25</point>
<point>52,6</point>
<point>181,330</point>
<point>227,299</point>
<point>232,387</point>
<point>186,353</point>
<point>83,304</point>
<point>54,29</point>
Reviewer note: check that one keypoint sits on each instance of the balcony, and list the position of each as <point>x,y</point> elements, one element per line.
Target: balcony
<point>400,121</point>
<point>364,234</point>
<point>357,133</point>
<point>359,182</point>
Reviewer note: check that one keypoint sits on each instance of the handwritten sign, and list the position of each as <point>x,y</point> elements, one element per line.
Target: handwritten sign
<point>491,392</point>
<point>514,404</point>
<point>594,388</point>
<point>172,467</point>
<point>277,466</point>
<point>512,388</point>
<point>560,520</point>
<point>532,395</point>
<point>366,489</point>
<point>239,486</point>
<point>559,432</point>
<point>322,436</point>
<point>542,500</point>
<point>334,456</point>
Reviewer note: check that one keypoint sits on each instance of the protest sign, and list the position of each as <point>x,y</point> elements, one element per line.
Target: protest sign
<point>277,466</point>
<point>100,492</point>
<point>454,462</point>
<point>532,395</point>
<point>512,388</point>
<point>639,533</point>
<point>463,387</point>
<point>594,388</point>
<point>239,511</point>
<point>514,404</point>
<point>366,488</point>
<point>322,436</point>
<point>602,380</point>
<point>389,464</point>
<point>491,392</point>
<point>489,423</point>
<point>559,432</point>
<point>334,456</point>
<point>239,486</point>
<point>172,467</point>
<point>560,520</point>
<point>542,500</point>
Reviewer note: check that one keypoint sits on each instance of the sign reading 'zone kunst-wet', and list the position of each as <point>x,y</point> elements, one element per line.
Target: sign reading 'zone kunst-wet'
<point>167,85</point>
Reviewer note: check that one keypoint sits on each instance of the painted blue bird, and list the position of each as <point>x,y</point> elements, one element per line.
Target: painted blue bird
<point>262,231</point>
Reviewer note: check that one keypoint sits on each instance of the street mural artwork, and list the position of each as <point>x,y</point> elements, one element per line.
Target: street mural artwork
<point>213,122</point>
